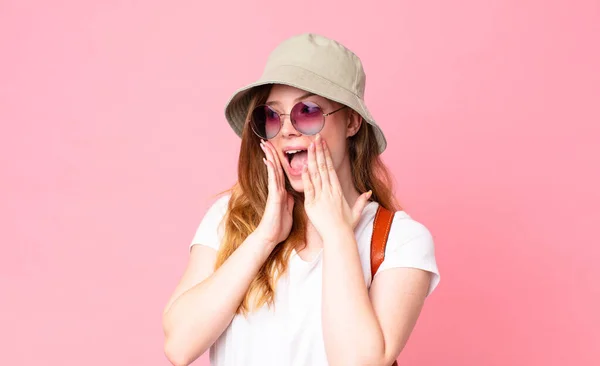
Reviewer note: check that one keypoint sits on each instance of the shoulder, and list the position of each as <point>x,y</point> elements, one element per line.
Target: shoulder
<point>405,229</point>
<point>210,228</point>
<point>410,243</point>
<point>217,209</point>
<point>220,204</point>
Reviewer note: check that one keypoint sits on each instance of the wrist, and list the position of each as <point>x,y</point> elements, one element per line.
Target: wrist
<point>338,233</point>
<point>262,239</point>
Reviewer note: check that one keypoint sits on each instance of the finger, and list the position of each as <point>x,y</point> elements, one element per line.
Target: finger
<point>290,204</point>
<point>313,170</point>
<point>278,166</point>
<point>359,206</point>
<point>265,161</point>
<point>333,178</point>
<point>309,190</point>
<point>272,184</point>
<point>321,163</point>
<point>270,157</point>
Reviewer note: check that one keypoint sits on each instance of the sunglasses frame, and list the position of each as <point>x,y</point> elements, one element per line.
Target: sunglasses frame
<point>281,119</point>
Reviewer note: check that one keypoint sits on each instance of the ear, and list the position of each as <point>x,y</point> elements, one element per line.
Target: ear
<point>354,122</point>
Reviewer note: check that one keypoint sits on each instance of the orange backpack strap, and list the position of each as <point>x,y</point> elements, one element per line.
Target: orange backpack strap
<point>381,230</point>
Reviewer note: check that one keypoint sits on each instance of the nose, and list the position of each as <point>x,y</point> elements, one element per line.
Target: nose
<point>287,128</point>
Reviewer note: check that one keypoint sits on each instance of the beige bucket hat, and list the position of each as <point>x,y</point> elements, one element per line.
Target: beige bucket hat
<point>313,63</point>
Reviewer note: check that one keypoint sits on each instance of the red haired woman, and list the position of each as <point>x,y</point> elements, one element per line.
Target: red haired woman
<point>307,260</point>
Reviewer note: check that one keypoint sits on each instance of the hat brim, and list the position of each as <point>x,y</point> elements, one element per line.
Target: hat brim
<point>237,106</point>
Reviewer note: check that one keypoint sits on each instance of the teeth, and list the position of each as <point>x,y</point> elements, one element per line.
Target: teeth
<point>292,151</point>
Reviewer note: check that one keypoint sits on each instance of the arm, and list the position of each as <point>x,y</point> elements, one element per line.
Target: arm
<point>361,328</point>
<point>358,329</point>
<point>204,302</point>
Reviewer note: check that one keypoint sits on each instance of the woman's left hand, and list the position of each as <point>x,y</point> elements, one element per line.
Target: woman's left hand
<point>324,201</point>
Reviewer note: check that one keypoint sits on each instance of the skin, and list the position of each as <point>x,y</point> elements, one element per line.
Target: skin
<point>337,128</point>
<point>360,326</point>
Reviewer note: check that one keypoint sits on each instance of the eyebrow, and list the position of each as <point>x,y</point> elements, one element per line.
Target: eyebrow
<point>303,96</point>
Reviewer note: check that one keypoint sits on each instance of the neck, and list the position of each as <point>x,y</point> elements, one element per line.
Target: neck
<point>344,173</point>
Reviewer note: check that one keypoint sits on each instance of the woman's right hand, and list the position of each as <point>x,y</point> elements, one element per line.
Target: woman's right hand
<point>276,222</point>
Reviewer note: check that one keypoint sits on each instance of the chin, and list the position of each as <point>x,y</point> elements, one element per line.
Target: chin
<point>297,184</point>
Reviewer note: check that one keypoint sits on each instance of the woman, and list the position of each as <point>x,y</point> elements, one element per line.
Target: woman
<point>280,270</point>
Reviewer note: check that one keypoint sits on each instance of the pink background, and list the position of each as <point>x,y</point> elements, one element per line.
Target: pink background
<point>113,142</point>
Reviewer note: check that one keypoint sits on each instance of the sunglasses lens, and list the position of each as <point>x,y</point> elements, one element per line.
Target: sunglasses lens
<point>265,122</point>
<point>307,118</point>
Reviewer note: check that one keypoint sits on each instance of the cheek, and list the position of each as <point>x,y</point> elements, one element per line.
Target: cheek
<point>335,136</point>
<point>335,131</point>
<point>337,150</point>
<point>276,142</point>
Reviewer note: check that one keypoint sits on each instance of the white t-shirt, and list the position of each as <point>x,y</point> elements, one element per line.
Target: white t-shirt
<point>290,333</point>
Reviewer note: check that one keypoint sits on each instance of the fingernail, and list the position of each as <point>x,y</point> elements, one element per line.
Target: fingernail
<point>369,194</point>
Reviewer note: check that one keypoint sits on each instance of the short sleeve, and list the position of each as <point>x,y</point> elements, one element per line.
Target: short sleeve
<point>210,230</point>
<point>410,244</point>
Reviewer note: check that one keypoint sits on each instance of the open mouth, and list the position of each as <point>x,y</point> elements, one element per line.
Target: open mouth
<point>297,159</point>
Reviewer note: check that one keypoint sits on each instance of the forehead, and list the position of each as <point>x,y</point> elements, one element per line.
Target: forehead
<point>285,94</point>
